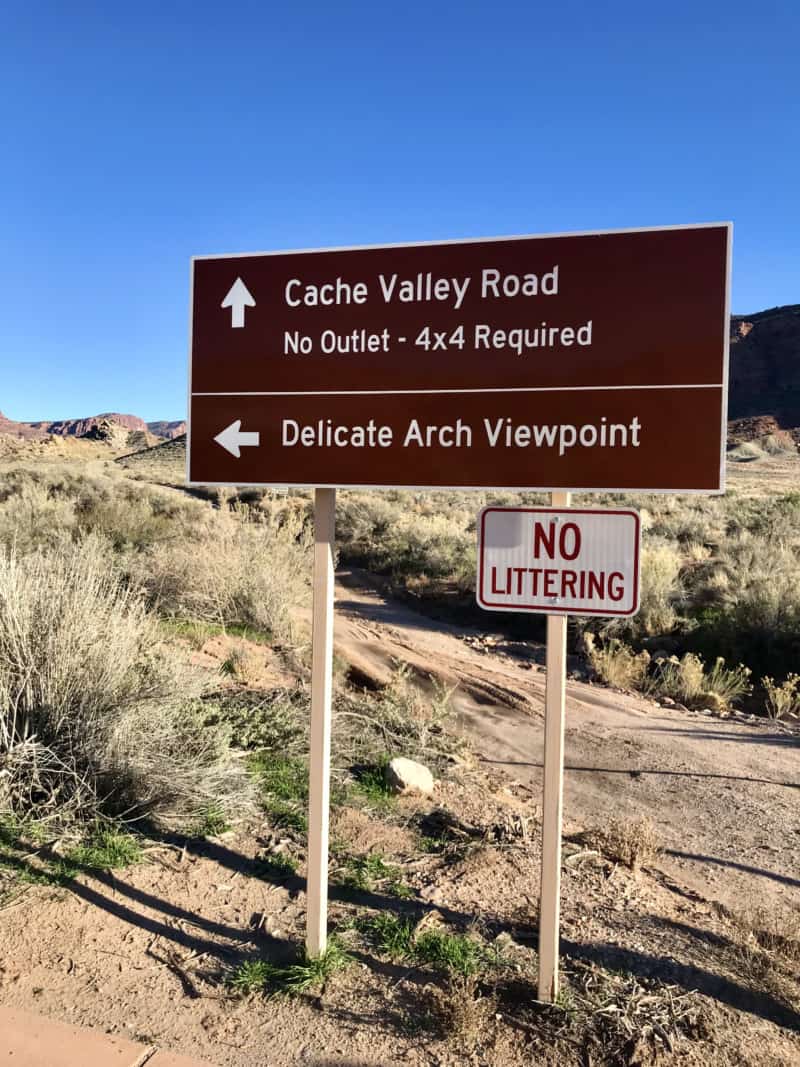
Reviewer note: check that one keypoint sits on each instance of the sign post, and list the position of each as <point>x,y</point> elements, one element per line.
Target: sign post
<point>321,686</point>
<point>592,362</point>
<point>557,561</point>
<point>552,802</point>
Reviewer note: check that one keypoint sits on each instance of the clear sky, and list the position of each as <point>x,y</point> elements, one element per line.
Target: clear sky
<point>135,135</point>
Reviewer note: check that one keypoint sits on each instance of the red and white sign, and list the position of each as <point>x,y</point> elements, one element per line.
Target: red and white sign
<point>572,561</point>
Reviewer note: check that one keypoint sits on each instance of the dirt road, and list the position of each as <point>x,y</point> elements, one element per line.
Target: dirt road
<point>724,794</point>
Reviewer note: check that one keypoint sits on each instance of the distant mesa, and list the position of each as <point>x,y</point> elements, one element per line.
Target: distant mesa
<point>89,426</point>
<point>167,430</point>
<point>110,426</point>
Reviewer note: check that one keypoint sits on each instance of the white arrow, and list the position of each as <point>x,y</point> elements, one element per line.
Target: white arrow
<point>232,438</point>
<point>237,300</point>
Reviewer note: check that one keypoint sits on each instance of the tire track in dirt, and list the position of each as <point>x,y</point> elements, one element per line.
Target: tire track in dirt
<point>725,795</point>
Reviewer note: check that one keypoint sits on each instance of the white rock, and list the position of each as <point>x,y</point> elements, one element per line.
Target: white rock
<point>406,776</point>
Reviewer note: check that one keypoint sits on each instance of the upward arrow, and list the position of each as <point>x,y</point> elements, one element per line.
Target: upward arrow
<point>237,300</point>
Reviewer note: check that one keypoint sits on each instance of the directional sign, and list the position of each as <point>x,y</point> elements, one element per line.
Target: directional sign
<point>575,561</point>
<point>583,361</point>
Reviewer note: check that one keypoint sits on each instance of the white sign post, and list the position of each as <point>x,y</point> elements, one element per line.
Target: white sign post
<point>559,561</point>
<point>320,747</point>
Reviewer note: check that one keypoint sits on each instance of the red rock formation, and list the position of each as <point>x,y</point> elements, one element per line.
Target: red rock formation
<point>81,427</point>
<point>765,366</point>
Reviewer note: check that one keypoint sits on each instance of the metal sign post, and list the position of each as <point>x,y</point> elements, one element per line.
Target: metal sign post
<point>321,686</point>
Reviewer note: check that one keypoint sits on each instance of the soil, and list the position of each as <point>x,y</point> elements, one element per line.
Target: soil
<point>145,952</point>
<point>724,793</point>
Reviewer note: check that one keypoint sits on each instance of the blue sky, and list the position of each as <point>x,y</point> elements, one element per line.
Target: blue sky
<point>133,136</point>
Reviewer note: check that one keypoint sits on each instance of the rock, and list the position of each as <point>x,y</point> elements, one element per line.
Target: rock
<point>667,702</point>
<point>406,776</point>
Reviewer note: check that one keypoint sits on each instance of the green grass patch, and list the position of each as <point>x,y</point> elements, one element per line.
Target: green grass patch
<point>372,788</point>
<point>55,872</point>
<point>390,934</point>
<point>251,976</point>
<point>20,867</point>
<point>211,824</point>
<point>276,867</point>
<point>371,873</point>
<point>455,953</point>
<point>283,783</point>
<point>198,631</point>
<point>108,848</point>
<point>290,979</point>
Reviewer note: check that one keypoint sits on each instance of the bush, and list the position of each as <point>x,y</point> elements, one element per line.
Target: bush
<point>783,699</point>
<point>614,663</point>
<point>398,720</point>
<point>634,843</point>
<point>660,590</point>
<point>409,536</point>
<point>43,507</point>
<point>688,681</point>
<point>93,715</point>
<point>245,572</point>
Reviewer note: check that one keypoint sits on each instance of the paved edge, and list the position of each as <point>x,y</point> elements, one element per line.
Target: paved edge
<point>34,1041</point>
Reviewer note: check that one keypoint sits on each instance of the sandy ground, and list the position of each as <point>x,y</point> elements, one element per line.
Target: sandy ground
<point>724,794</point>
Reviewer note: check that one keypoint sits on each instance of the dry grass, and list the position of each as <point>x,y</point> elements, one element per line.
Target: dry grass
<point>615,663</point>
<point>94,714</point>
<point>783,699</point>
<point>765,943</point>
<point>239,569</point>
<point>635,843</point>
<point>689,681</point>
<point>462,1009</point>
<point>661,590</point>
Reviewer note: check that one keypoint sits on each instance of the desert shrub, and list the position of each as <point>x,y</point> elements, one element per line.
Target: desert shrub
<point>783,699</point>
<point>409,536</point>
<point>93,714</point>
<point>749,593</point>
<point>462,1009</point>
<point>615,663</point>
<point>746,452</point>
<point>276,720</point>
<point>660,590</point>
<point>686,679</point>
<point>633,842</point>
<point>765,945</point>
<point>44,507</point>
<point>401,719</point>
<point>245,572</point>
<point>777,443</point>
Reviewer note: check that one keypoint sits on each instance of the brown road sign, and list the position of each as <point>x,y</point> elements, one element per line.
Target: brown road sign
<point>583,361</point>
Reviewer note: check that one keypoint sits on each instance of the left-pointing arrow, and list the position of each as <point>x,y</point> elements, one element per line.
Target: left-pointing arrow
<point>237,299</point>
<point>232,438</point>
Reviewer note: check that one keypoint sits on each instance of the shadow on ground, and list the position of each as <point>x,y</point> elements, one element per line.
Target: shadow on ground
<point>253,942</point>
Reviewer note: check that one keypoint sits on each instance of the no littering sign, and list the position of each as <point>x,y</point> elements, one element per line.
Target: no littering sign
<point>575,561</point>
